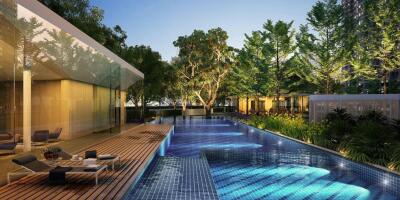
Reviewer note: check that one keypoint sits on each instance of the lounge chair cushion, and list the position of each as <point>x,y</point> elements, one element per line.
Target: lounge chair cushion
<point>22,160</point>
<point>31,162</point>
<point>8,146</point>
<point>5,136</point>
<point>55,135</point>
<point>40,136</point>
<point>91,154</point>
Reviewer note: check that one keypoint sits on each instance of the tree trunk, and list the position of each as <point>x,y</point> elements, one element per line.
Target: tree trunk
<point>277,96</point>
<point>385,86</point>
<point>237,105</point>
<point>184,103</point>
<point>208,111</point>
<point>247,105</point>
<point>327,86</point>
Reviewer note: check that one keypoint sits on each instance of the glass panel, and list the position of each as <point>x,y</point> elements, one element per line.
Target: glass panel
<point>10,106</point>
<point>73,86</point>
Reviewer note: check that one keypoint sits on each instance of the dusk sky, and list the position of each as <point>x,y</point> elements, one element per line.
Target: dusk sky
<point>157,23</point>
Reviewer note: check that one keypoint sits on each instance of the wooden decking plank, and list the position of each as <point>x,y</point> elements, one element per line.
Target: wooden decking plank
<point>128,174</point>
<point>150,150</point>
<point>61,188</point>
<point>102,181</point>
<point>70,178</point>
<point>135,147</point>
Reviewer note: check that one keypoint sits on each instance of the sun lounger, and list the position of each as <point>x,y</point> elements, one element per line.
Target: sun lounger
<point>54,136</point>
<point>30,163</point>
<point>105,159</point>
<point>40,137</point>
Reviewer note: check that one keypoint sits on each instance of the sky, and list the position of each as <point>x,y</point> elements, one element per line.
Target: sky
<point>157,23</point>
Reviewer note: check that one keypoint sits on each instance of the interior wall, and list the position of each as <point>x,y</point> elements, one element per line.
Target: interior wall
<point>7,105</point>
<point>101,105</point>
<point>46,105</point>
<point>77,108</point>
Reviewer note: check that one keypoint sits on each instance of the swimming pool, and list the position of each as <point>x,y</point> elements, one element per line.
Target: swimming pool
<point>223,159</point>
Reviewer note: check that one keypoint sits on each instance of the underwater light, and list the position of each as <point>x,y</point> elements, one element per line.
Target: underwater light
<point>279,143</point>
<point>251,130</point>
<point>385,182</point>
<point>235,124</point>
<point>341,165</point>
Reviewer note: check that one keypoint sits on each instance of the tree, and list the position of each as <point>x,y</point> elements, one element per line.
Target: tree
<point>254,62</point>
<point>242,79</point>
<point>205,59</point>
<point>321,51</point>
<point>172,84</point>
<point>149,62</point>
<point>380,37</point>
<point>279,44</point>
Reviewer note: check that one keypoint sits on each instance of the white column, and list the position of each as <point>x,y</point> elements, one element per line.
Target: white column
<point>27,77</point>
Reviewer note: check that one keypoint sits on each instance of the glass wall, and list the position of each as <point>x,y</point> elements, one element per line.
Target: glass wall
<point>51,79</point>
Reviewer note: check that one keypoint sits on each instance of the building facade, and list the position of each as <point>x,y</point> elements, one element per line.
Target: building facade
<point>52,75</point>
<point>260,105</point>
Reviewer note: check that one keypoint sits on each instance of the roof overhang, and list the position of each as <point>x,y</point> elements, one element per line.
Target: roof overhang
<point>114,71</point>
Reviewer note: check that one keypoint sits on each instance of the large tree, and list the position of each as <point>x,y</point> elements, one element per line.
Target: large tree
<point>380,38</point>
<point>89,19</point>
<point>254,62</point>
<point>321,51</point>
<point>149,62</point>
<point>279,44</point>
<point>205,60</point>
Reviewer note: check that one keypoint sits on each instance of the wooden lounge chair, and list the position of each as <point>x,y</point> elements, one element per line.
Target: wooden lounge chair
<point>30,163</point>
<point>54,136</point>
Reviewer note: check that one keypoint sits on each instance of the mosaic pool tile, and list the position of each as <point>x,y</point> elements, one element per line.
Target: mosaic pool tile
<point>176,178</point>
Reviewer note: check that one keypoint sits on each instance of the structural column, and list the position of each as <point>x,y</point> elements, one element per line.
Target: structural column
<point>27,79</point>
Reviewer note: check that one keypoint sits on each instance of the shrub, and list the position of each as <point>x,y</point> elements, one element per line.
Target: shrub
<point>339,125</point>
<point>372,138</point>
<point>372,142</point>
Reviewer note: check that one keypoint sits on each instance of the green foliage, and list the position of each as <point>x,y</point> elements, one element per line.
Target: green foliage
<point>267,55</point>
<point>372,142</point>
<point>380,37</point>
<point>339,126</point>
<point>149,62</point>
<point>205,59</point>
<point>321,54</point>
<point>369,139</point>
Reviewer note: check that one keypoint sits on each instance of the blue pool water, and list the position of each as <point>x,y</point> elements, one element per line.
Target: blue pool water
<point>222,159</point>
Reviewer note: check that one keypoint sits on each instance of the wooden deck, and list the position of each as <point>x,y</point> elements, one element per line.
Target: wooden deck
<point>135,148</point>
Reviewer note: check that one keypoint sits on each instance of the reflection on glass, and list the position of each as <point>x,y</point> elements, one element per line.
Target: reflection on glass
<point>73,86</point>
